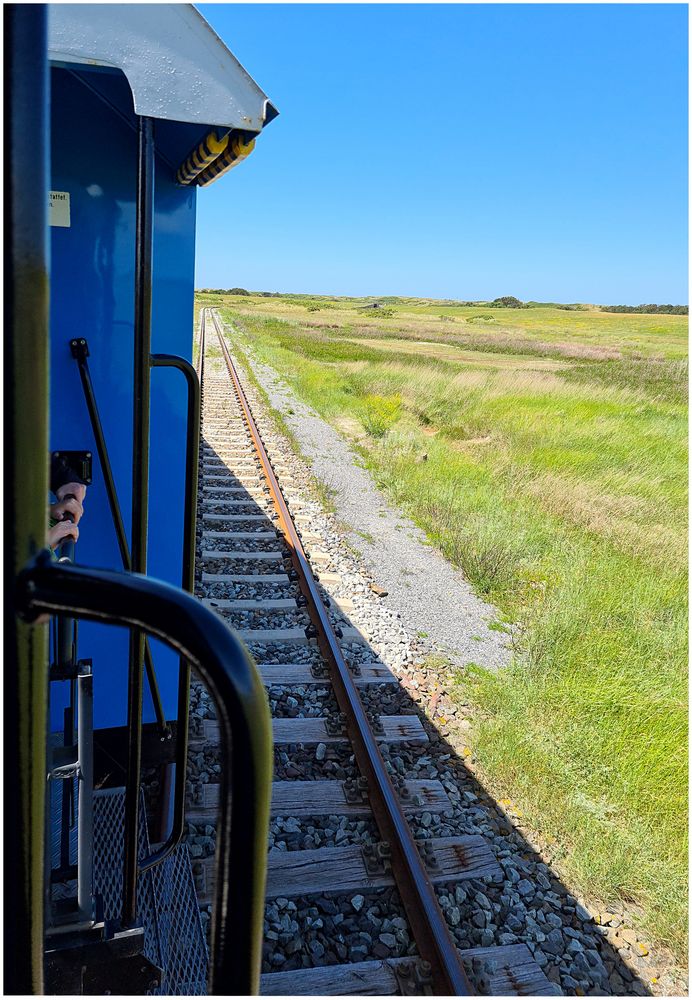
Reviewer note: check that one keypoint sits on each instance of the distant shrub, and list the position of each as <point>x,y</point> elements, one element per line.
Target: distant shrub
<point>237,291</point>
<point>488,317</point>
<point>383,312</point>
<point>649,308</point>
<point>509,302</point>
<point>312,308</point>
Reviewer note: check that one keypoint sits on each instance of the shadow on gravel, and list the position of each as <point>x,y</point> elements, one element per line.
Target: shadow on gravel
<point>523,903</point>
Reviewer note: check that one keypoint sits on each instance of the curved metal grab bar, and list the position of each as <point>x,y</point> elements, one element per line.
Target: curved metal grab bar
<point>194,411</point>
<point>243,714</point>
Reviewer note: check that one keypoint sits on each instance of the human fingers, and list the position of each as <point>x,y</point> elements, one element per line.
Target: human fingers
<point>60,531</point>
<point>70,506</point>
<point>77,490</point>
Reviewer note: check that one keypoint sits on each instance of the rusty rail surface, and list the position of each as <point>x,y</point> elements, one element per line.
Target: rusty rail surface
<point>435,943</point>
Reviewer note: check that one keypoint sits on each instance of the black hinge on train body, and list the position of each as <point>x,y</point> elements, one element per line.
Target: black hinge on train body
<point>79,349</point>
<point>74,463</point>
<point>69,671</point>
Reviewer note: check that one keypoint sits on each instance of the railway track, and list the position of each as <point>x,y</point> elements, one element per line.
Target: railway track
<point>342,852</point>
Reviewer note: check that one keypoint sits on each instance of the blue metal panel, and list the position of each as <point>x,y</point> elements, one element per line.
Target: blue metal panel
<point>94,158</point>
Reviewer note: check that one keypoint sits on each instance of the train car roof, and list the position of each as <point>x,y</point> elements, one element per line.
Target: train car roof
<point>176,65</point>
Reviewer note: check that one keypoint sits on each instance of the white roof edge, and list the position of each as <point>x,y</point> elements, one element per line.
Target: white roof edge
<point>177,66</point>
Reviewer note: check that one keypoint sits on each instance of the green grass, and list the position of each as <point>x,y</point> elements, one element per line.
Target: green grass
<point>543,329</point>
<point>555,477</point>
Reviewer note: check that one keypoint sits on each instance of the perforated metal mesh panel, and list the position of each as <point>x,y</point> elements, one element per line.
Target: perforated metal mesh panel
<point>55,793</point>
<point>109,824</point>
<point>183,947</point>
<point>166,901</point>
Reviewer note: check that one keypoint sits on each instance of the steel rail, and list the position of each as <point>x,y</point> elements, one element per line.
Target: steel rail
<point>430,930</point>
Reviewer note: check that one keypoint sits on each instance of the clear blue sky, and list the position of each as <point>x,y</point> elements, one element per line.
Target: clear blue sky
<point>458,151</point>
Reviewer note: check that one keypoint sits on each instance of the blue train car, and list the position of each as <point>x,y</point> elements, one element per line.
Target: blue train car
<point>116,114</point>
<point>110,65</point>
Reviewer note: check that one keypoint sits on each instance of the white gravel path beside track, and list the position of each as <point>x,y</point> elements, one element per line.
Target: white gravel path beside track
<point>429,594</point>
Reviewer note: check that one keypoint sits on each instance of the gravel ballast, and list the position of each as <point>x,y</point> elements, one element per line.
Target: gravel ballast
<point>420,583</point>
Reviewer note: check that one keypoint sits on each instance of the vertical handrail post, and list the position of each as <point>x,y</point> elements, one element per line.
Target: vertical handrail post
<point>188,584</point>
<point>65,652</point>
<point>25,345</point>
<point>140,497</point>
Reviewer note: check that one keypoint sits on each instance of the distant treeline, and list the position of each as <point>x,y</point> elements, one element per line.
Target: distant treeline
<point>650,308</point>
<point>242,291</point>
<point>503,302</point>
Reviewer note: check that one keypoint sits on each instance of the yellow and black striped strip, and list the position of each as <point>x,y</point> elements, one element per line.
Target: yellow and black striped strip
<point>237,150</point>
<point>201,157</point>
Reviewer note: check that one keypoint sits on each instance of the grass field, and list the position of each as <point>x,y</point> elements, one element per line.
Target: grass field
<point>555,477</point>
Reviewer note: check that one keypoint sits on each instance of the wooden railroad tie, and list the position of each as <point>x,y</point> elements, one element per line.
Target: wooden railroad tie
<point>345,869</point>
<point>327,798</point>
<point>392,729</point>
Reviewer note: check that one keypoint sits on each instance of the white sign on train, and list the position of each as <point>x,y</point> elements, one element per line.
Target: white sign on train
<point>59,209</point>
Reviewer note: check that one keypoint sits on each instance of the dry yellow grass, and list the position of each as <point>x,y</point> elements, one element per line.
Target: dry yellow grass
<point>481,359</point>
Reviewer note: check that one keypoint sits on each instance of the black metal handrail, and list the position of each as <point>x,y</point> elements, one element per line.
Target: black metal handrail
<point>65,650</point>
<point>187,583</point>
<point>80,352</point>
<point>144,246</point>
<point>224,665</point>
